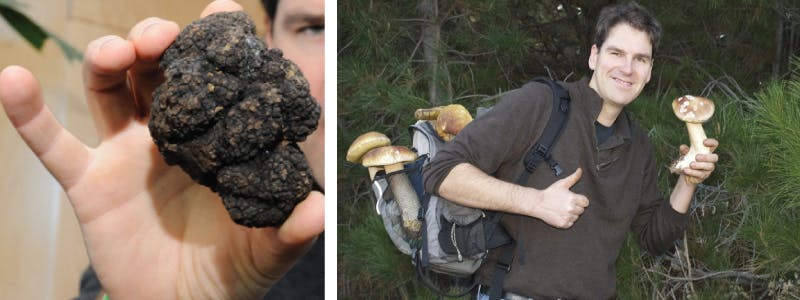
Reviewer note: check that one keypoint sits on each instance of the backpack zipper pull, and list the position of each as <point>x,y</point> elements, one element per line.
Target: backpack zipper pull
<point>455,244</point>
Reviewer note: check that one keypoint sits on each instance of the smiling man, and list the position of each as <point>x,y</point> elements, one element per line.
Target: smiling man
<point>569,229</point>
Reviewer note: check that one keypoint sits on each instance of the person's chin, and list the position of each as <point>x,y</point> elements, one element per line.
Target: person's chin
<point>622,99</point>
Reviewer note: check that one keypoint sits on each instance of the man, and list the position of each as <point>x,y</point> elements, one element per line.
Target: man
<point>150,231</point>
<point>298,29</point>
<point>569,231</point>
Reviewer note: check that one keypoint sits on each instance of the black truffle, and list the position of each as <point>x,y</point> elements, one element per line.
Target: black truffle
<point>230,113</point>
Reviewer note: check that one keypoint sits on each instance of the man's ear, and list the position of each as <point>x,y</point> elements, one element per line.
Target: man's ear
<point>268,31</point>
<point>593,57</point>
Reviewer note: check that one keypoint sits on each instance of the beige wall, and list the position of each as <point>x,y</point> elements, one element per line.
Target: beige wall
<point>41,250</point>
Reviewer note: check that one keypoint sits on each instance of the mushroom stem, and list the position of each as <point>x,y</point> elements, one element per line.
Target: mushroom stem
<point>696,137</point>
<point>373,171</point>
<point>406,198</point>
<point>427,113</point>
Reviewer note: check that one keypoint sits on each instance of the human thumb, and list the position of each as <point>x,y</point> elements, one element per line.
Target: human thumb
<point>572,179</point>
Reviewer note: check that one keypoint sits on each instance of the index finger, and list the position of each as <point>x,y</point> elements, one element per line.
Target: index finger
<point>61,153</point>
<point>711,143</point>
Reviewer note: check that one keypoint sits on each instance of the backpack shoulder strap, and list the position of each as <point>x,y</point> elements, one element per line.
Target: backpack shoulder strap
<point>539,151</point>
<point>555,125</point>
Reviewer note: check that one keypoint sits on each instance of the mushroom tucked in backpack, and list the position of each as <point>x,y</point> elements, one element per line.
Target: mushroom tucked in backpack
<point>392,158</point>
<point>452,239</point>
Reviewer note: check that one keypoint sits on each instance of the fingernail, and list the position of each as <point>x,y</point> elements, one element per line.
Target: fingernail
<point>107,40</point>
<point>148,23</point>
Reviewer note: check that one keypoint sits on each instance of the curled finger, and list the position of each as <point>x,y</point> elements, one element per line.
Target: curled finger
<point>105,77</point>
<point>150,38</point>
<point>712,144</point>
<point>683,149</point>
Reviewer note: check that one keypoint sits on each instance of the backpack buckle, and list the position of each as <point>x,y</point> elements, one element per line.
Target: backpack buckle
<point>564,105</point>
<point>541,150</point>
<point>503,267</point>
<point>555,167</point>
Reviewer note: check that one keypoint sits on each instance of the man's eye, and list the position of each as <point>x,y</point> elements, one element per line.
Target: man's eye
<point>313,30</point>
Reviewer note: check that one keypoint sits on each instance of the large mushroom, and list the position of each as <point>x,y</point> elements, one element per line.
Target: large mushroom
<point>392,158</point>
<point>362,144</point>
<point>694,111</point>
<point>448,120</point>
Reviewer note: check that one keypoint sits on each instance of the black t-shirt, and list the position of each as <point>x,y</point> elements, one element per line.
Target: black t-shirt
<point>602,132</point>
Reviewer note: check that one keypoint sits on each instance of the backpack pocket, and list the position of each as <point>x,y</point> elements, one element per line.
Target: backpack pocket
<point>462,240</point>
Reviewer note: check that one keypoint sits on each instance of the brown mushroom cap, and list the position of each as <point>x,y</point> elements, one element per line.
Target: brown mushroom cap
<point>453,118</point>
<point>364,143</point>
<point>388,156</point>
<point>693,109</point>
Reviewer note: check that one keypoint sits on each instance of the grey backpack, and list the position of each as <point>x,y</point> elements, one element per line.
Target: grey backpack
<point>454,240</point>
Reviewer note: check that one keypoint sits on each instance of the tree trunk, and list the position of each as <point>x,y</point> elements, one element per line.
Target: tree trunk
<point>777,62</point>
<point>429,11</point>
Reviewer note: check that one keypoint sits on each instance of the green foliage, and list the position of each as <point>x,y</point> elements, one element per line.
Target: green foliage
<point>375,266</point>
<point>32,32</point>
<point>743,234</point>
<point>779,128</point>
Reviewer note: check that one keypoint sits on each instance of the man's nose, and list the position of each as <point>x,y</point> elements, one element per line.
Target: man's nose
<point>627,66</point>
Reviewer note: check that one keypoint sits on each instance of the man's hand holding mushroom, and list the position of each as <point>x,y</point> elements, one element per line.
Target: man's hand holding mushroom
<point>703,165</point>
<point>698,160</point>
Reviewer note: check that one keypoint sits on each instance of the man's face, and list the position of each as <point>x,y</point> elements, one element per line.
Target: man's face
<point>299,31</point>
<point>622,65</point>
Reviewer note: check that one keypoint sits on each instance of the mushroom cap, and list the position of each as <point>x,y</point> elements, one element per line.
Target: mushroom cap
<point>388,155</point>
<point>693,109</point>
<point>453,118</point>
<point>364,143</point>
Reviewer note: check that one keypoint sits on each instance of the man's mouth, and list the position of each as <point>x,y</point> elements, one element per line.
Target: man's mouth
<point>623,83</point>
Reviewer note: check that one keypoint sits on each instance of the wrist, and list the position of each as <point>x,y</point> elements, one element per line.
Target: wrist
<point>681,196</point>
<point>525,201</point>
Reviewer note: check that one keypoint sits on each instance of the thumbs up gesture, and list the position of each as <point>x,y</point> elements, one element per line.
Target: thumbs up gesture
<point>557,205</point>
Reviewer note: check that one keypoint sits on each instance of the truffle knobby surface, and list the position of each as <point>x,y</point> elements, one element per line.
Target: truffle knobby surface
<point>230,113</point>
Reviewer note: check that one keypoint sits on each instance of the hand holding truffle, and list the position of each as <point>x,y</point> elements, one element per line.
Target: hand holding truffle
<point>151,232</point>
<point>698,161</point>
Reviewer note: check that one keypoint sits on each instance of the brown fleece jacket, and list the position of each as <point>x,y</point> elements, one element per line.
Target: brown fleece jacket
<point>619,178</point>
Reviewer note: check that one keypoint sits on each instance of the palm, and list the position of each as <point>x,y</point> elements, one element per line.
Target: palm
<point>159,206</point>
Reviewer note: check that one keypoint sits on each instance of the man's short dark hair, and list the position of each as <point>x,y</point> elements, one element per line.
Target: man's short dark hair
<point>630,13</point>
<point>270,6</point>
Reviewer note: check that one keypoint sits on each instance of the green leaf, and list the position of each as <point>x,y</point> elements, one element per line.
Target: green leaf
<point>33,33</point>
<point>70,52</point>
<point>29,30</point>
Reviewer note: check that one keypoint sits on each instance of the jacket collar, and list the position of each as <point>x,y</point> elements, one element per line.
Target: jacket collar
<point>590,103</point>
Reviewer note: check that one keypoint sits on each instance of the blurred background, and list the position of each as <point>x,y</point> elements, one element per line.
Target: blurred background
<point>42,254</point>
<point>743,243</point>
